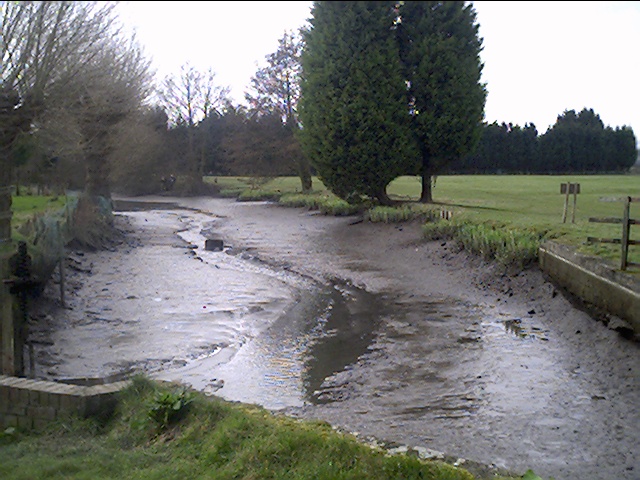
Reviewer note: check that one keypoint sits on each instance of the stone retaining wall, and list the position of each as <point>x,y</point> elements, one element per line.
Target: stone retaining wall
<point>32,404</point>
<point>594,281</point>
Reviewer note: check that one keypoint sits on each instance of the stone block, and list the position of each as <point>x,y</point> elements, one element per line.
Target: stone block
<point>15,397</point>
<point>34,397</point>
<point>4,398</point>
<point>40,424</point>
<point>44,413</point>
<point>70,403</point>
<point>10,421</point>
<point>48,399</point>
<point>213,245</point>
<point>25,422</point>
<point>17,409</point>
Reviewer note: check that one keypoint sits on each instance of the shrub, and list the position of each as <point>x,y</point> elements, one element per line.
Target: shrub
<point>166,408</point>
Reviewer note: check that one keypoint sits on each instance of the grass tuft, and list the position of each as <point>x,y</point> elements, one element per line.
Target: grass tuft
<point>403,213</point>
<point>509,246</point>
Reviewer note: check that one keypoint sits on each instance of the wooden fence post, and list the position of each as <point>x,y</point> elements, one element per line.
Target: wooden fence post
<point>625,233</point>
<point>626,222</point>
<point>566,201</point>
<point>568,189</point>
<point>6,319</point>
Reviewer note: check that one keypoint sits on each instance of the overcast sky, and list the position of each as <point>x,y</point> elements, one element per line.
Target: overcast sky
<point>541,58</point>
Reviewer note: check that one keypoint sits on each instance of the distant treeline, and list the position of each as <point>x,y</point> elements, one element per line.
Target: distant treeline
<point>577,143</point>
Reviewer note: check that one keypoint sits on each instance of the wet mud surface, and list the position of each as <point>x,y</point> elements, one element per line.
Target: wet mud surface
<point>365,326</point>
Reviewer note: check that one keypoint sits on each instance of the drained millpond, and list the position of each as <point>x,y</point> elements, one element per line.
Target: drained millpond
<point>360,325</point>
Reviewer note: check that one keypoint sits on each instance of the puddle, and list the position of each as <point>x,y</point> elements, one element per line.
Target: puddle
<point>324,331</point>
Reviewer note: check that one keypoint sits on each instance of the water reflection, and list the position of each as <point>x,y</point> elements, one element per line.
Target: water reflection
<point>326,329</point>
<point>279,354</point>
<point>346,330</point>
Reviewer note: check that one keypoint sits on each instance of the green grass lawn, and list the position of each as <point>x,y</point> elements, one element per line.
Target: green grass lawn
<point>518,202</point>
<point>26,205</point>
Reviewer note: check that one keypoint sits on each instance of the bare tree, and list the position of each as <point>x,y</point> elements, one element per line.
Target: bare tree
<point>138,161</point>
<point>112,89</point>
<point>189,98</point>
<point>44,46</point>
<point>275,90</point>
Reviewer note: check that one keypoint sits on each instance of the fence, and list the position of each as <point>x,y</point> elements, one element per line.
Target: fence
<point>626,222</point>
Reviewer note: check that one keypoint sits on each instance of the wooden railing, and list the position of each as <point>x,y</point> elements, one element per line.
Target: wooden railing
<point>626,222</point>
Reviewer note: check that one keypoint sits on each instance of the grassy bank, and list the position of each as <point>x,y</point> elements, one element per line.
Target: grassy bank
<point>161,431</point>
<point>500,217</point>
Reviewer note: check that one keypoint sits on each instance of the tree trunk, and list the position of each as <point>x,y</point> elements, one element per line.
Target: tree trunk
<point>304,171</point>
<point>426,195</point>
<point>11,123</point>
<point>5,196</point>
<point>97,167</point>
<point>193,159</point>
<point>383,198</point>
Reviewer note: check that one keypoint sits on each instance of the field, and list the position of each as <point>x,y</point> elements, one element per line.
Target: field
<point>488,212</point>
<point>522,203</point>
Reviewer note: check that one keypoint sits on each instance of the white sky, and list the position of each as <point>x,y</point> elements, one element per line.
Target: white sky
<point>541,58</point>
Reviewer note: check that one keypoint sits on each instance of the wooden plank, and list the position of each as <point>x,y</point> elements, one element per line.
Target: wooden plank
<point>7,347</point>
<point>570,188</point>
<point>604,240</point>
<point>619,199</point>
<point>611,240</point>
<point>606,220</point>
<point>632,221</point>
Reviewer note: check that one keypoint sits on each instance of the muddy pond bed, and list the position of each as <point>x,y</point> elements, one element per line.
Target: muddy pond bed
<point>363,325</point>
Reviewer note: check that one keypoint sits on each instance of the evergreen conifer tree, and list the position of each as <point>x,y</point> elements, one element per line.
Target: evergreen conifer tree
<point>355,124</point>
<point>440,50</point>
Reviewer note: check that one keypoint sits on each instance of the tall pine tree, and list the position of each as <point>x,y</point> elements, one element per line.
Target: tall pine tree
<point>440,51</point>
<point>353,111</point>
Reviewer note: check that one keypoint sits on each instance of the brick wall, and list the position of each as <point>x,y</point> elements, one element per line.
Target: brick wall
<point>32,404</point>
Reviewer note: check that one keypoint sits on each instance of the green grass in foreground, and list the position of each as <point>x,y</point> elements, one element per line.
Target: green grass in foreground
<point>500,217</point>
<point>25,206</point>
<point>210,439</point>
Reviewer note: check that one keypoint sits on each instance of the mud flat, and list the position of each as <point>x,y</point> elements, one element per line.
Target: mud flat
<point>362,325</point>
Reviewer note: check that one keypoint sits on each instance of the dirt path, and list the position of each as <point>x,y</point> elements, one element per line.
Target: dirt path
<point>465,360</point>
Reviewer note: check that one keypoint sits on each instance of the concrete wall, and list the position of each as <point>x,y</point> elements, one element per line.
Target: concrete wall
<point>594,281</point>
<point>32,404</point>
